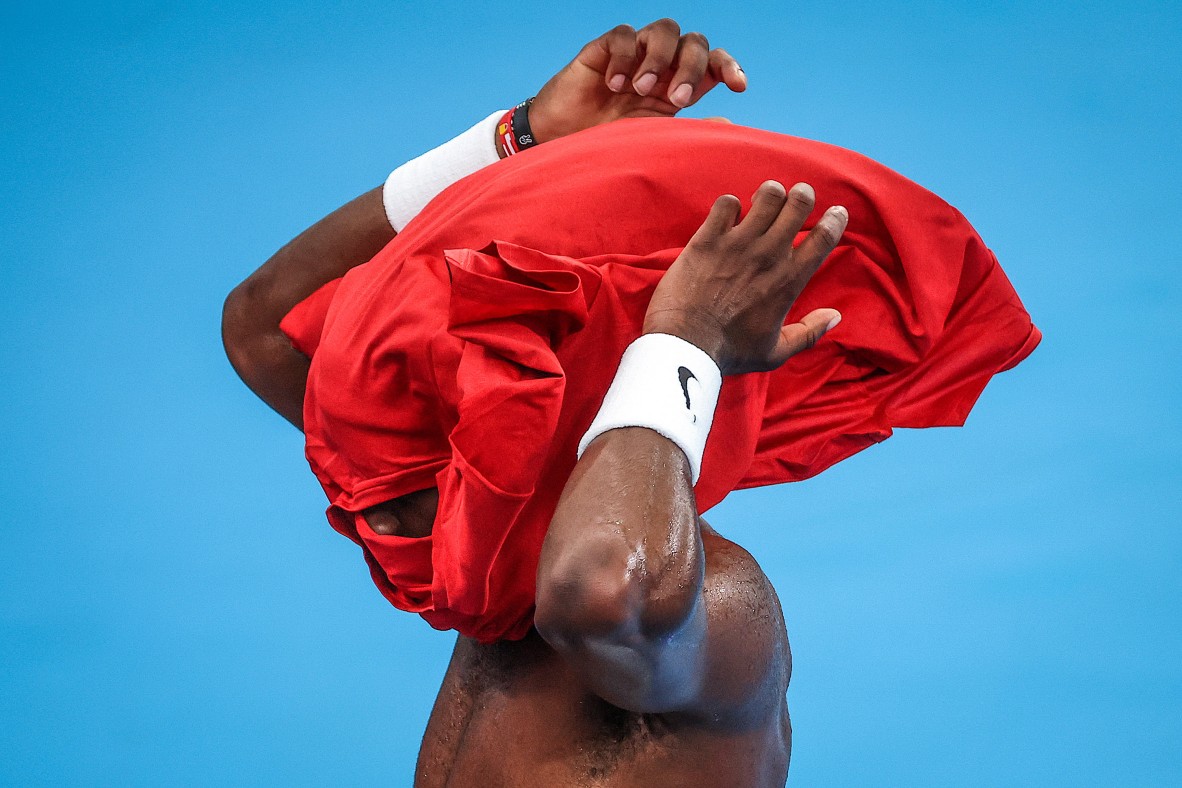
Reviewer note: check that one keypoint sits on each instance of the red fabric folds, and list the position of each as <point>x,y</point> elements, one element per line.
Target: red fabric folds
<point>473,352</point>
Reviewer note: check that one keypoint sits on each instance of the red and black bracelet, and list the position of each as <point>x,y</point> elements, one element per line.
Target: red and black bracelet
<point>513,129</point>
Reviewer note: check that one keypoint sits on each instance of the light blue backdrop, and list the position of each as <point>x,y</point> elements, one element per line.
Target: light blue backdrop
<point>997,605</point>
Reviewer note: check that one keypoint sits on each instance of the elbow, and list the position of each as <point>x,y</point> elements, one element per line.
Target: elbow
<point>603,594</point>
<point>634,647</point>
<point>236,334</point>
<point>576,603</point>
<point>243,325</point>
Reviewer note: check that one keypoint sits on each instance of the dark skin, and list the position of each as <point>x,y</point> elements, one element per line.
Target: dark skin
<point>659,655</point>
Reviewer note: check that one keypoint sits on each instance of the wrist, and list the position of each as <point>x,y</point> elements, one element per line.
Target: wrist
<point>701,330</point>
<point>668,385</point>
<point>543,124</point>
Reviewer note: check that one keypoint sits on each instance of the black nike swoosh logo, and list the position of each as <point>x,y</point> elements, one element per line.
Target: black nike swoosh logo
<point>684,374</point>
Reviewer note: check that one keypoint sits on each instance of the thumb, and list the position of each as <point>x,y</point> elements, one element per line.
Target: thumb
<point>804,333</point>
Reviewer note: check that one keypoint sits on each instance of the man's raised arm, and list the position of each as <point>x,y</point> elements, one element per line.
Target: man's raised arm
<point>621,571</point>
<point>654,71</point>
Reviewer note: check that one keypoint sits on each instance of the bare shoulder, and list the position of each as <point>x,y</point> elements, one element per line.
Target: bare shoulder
<point>748,662</point>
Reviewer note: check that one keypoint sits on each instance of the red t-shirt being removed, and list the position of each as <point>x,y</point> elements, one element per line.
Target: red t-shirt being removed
<point>473,352</point>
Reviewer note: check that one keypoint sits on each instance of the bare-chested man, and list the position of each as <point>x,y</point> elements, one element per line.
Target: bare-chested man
<point>659,656</point>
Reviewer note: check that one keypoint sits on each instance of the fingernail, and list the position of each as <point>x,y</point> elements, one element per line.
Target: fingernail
<point>840,212</point>
<point>616,83</point>
<point>806,190</point>
<point>681,96</point>
<point>834,321</point>
<point>774,186</point>
<point>645,84</point>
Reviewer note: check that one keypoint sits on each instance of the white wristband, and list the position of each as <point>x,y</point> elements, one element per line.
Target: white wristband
<point>416,183</point>
<point>665,384</point>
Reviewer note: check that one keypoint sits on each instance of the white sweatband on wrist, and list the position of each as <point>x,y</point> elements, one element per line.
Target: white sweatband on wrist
<point>416,183</point>
<point>667,385</point>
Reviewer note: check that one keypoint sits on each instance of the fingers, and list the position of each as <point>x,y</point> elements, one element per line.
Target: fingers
<point>721,218</point>
<point>803,334</point>
<point>725,69</point>
<point>797,207</point>
<point>659,40</point>
<point>697,80</point>
<point>766,205</point>
<point>658,54</point>
<point>619,44</point>
<point>692,59</point>
<point>821,240</point>
<point>779,215</point>
<point>808,256</point>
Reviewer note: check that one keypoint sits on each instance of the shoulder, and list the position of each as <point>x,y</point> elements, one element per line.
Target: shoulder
<point>747,659</point>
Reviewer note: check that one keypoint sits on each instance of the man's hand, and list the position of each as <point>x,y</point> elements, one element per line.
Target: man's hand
<point>731,288</point>
<point>625,73</point>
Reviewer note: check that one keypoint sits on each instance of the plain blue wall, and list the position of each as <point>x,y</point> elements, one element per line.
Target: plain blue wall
<point>997,605</point>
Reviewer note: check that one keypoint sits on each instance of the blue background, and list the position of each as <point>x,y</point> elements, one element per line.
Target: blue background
<point>996,605</point>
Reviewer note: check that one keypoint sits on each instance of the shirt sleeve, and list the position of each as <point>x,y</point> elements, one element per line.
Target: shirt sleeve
<point>304,324</point>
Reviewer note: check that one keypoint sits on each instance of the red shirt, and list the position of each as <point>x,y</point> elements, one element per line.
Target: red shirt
<point>473,351</point>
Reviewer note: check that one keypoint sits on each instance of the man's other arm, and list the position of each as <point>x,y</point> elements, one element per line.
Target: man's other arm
<point>654,71</point>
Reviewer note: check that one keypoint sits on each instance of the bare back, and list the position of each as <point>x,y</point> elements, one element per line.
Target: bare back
<point>515,714</point>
